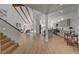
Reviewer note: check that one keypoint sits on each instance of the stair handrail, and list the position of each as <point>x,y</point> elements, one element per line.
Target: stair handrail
<point>10,24</point>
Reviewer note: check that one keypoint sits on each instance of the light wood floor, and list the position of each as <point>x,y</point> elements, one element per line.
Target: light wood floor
<point>37,45</point>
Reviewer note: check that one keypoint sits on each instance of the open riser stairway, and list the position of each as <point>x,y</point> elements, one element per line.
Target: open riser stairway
<point>6,44</point>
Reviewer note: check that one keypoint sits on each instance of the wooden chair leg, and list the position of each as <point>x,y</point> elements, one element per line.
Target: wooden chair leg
<point>77,41</point>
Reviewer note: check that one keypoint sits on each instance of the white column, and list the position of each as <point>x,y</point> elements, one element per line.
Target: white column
<point>34,25</point>
<point>46,27</point>
<point>37,23</point>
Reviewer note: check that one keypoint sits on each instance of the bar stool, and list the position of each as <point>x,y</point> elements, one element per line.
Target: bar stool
<point>66,36</point>
<point>69,39</point>
<point>75,39</point>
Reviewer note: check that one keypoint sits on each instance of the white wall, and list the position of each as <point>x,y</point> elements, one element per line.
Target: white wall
<point>9,31</point>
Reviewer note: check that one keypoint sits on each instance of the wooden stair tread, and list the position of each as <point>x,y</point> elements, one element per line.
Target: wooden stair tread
<point>6,45</point>
<point>4,41</point>
<point>10,49</point>
<point>3,37</point>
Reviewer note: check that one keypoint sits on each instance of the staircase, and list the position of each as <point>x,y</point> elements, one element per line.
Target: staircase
<point>6,44</point>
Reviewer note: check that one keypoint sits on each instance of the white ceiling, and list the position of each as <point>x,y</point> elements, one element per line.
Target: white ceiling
<point>48,8</point>
<point>55,11</point>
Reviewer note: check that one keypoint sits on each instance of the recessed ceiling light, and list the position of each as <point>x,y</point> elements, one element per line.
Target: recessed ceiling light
<point>4,29</point>
<point>62,19</point>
